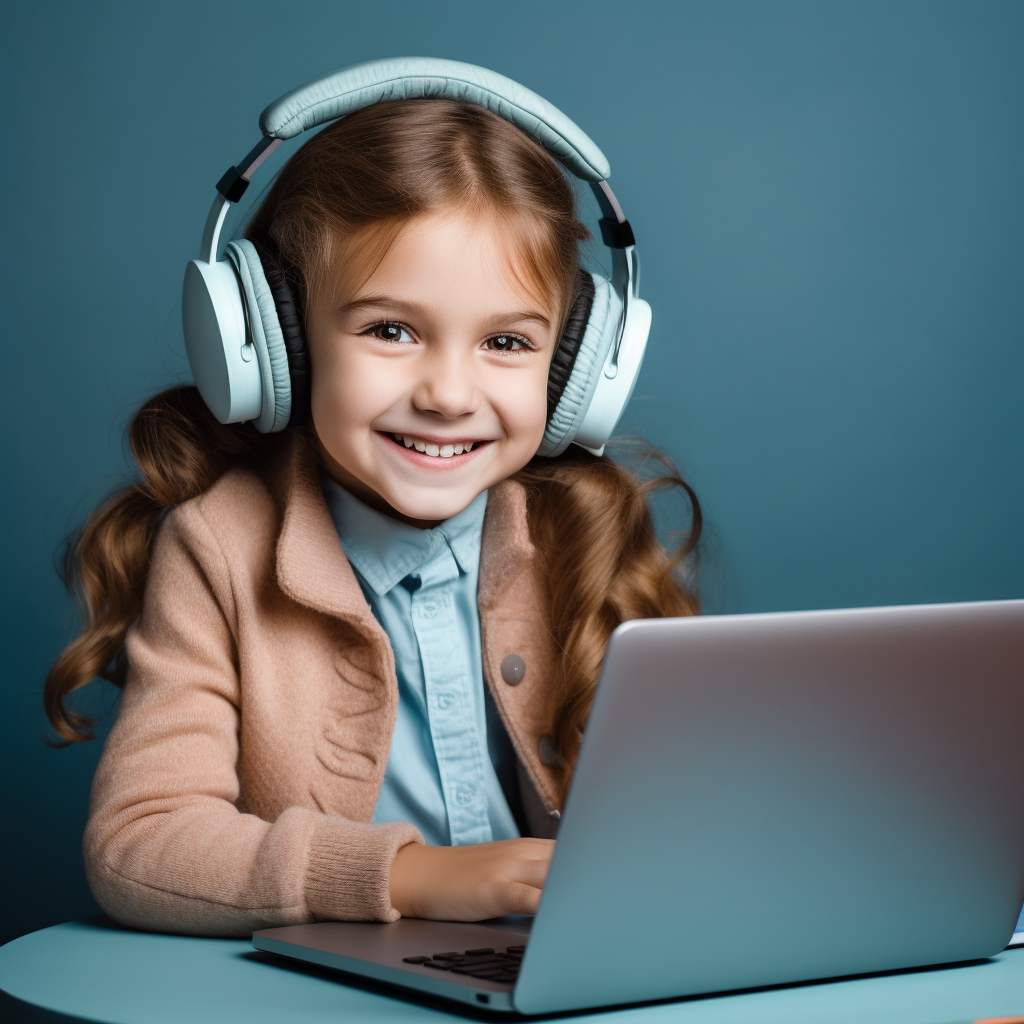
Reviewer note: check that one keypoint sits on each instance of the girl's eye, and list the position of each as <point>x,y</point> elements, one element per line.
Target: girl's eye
<point>390,332</point>
<point>507,343</point>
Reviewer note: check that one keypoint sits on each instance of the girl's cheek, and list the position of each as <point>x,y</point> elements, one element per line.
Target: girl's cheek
<point>523,410</point>
<point>352,391</point>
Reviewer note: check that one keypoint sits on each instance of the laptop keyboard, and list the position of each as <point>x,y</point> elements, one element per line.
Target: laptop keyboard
<point>477,963</point>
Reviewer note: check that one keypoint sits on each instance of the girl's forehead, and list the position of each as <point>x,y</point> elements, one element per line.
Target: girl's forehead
<point>469,253</point>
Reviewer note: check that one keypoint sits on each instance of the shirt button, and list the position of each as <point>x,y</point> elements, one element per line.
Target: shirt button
<point>513,668</point>
<point>463,796</point>
<point>445,701</point>
<point>429,610</point>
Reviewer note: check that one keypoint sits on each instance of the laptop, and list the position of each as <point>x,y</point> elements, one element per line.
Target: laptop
<point>759,800</point>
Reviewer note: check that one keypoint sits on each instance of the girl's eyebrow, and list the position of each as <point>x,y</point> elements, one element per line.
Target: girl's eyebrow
<point>392,306</point>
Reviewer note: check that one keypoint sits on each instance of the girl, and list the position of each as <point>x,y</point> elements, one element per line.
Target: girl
<point>358,654</point>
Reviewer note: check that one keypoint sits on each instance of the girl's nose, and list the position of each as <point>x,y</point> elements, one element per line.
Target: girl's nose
<point>447,386</point>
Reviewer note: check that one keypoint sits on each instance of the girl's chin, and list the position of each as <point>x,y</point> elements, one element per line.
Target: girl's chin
<point>431,508</point>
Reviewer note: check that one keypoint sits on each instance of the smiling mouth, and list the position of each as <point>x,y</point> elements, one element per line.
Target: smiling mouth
<point>435,449</point>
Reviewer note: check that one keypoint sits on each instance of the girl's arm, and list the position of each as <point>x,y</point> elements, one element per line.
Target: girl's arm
<point>166,848</point>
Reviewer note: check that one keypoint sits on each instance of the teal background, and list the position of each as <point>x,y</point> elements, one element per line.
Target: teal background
<point>828,202</point>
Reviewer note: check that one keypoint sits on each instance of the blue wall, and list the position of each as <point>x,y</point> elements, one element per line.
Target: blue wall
<point>829,206</point>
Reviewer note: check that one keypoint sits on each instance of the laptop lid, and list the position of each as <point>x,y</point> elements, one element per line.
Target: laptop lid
<point>845,784</point>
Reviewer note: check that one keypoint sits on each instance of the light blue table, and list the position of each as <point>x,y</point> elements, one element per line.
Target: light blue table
<point>95,971</point>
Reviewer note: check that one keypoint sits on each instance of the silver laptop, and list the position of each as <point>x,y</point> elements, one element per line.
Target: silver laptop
<point>760,799</point>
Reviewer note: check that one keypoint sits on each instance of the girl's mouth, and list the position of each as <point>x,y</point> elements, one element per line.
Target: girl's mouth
<point>433,448</point>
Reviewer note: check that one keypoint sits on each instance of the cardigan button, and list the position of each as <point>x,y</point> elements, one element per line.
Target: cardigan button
<point>548,753</point>
<point>513,668</point>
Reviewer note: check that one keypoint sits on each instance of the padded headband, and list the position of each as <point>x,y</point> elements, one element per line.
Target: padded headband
<point>407,78</point>
<point>402,78</point>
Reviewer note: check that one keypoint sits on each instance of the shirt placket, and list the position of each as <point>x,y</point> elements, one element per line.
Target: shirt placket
<point>451,707</point>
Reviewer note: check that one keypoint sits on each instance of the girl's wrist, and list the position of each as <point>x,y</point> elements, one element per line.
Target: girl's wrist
<point>406,870</point>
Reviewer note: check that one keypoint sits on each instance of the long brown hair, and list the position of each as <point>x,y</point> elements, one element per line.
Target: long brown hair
<point>590,519</point>
<point>340,200</point>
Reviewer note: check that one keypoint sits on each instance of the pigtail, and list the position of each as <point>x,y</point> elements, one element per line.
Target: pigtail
<point>180,450</point>
<point>591,521</point>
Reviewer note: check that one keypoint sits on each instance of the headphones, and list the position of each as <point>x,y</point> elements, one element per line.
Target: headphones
<point>244,332</point>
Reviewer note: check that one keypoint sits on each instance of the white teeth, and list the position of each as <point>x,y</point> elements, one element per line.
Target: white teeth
<point>444,451</point>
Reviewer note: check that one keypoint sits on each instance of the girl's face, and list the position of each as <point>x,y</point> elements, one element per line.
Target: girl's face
<point>429,383</point>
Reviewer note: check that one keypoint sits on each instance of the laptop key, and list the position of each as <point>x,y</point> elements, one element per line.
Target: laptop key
<point>479,952</point>
<point>515,949</point>
<point>438,965</point>
<point>415,959</point>
<point>474,968</point>
<point>447,956</point>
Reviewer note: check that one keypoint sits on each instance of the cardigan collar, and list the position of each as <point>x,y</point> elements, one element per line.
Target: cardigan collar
<point>311,564</point>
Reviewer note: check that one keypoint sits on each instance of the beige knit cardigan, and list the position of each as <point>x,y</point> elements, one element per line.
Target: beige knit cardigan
<point>236,787</point>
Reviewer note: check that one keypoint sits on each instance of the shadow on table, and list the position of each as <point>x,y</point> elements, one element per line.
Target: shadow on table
<point>14,1011</point>
<point>471,1013</point>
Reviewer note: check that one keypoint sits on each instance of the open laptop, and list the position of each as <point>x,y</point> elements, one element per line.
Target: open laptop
<point>760,799</point>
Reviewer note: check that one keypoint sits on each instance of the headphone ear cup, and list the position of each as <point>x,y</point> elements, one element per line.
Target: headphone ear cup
<point>287,291</point>
<point>564,359</point>
<point>600,328</point>
<point>264,328</point>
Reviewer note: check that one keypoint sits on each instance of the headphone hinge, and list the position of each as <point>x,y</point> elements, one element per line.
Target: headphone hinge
<point>235,180</point>
<point>232,185</point>
<point>616,234</point>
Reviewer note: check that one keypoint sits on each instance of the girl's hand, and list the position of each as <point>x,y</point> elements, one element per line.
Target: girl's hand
<point>470,883</point>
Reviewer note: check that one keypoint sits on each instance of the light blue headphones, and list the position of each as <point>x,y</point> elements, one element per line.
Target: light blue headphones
<point>237,322</point>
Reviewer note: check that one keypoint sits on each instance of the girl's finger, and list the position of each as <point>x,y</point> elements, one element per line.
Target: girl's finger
<point>531,872</point>
<point>519,898</point>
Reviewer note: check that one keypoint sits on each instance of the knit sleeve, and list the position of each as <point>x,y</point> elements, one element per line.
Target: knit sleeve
<point>166,846</point>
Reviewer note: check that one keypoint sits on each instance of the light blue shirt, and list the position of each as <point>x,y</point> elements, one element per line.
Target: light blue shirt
<point>421,585</point>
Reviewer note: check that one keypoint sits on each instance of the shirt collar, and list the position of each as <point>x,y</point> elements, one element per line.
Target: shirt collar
<point>385,550</point>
